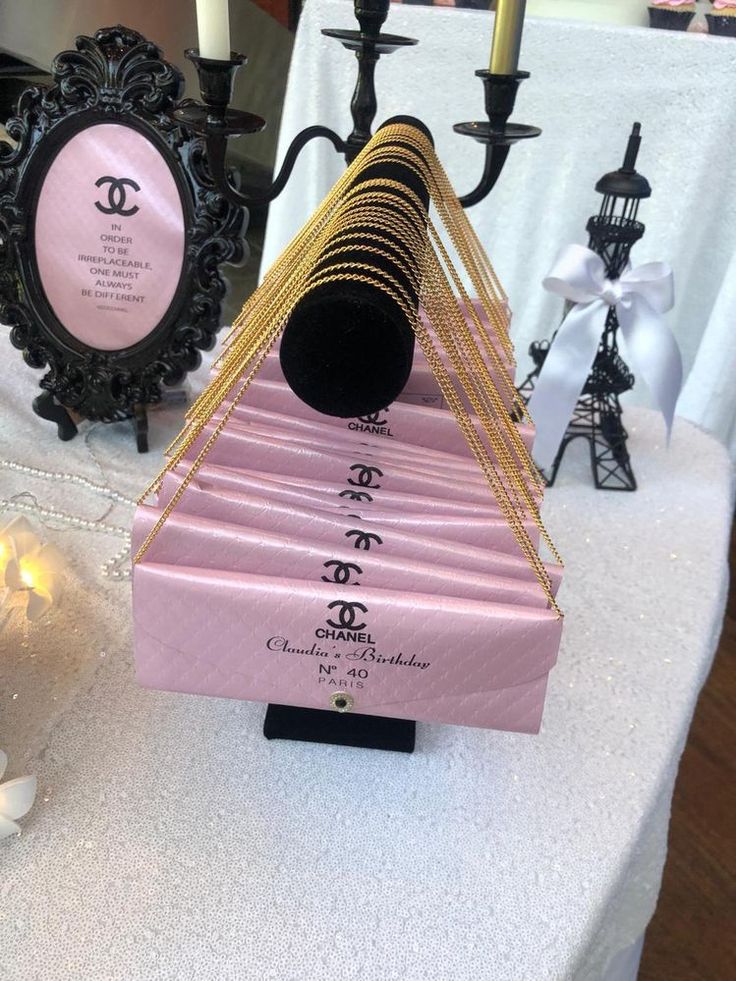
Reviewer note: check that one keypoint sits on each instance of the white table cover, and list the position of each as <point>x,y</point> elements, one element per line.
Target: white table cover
<point>589,83</point>
<point>170,840</point>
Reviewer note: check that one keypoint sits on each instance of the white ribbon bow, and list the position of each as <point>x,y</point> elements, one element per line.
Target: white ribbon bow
<point>640,297</point>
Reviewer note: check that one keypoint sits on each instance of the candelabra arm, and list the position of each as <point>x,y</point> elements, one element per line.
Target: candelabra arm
<point>497,133</point>
<point>216,122</point>
<point>493,164</point>
<point>216,150</point>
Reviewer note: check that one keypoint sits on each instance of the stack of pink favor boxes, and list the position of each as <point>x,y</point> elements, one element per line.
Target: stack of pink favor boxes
<point>351,564</point>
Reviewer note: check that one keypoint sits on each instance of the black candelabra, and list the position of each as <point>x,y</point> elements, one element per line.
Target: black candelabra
<point>216,121</point>
<point>597,416</point>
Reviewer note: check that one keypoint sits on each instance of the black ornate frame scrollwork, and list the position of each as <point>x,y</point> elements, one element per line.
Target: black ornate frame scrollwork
<point>116,76</point>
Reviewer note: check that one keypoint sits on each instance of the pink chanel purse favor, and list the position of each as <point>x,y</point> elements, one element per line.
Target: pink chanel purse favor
<point>348,526</point>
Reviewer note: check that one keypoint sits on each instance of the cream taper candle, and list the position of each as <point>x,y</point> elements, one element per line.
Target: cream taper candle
<point>213,28</point>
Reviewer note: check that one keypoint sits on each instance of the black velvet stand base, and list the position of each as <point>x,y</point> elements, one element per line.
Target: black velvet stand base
<point>340,729</point>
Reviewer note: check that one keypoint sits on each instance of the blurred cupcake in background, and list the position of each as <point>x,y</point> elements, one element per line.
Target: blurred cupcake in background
<point>723,19</point>
<point>672,15</point>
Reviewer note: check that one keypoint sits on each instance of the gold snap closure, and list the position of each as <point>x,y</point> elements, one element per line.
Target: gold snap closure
<point>341,701</point>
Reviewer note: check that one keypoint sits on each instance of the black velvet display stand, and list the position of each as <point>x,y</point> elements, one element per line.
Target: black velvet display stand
<point>347,351</point>
<point>340,729</point>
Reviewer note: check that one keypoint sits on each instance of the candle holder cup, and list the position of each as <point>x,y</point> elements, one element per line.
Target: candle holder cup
<point>216,80</point>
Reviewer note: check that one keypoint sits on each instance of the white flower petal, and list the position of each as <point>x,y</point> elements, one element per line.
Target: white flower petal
<point>17,796</point>
<point>51,560</point>
<point>8,827</point>
<point>18,537</point>
<point>17,526</point>
<point>24,544</point>
<point>39,601</point>
<point>45,581</point>
<point>12,576</point>
<point>54,586</point>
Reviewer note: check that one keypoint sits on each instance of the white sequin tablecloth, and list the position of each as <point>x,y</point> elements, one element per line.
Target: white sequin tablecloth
<point>171,841</point>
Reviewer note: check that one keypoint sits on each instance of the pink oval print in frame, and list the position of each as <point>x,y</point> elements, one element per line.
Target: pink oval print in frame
<point>109,236</point>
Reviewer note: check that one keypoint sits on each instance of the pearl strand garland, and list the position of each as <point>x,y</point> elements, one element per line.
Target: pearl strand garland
<point>110,568</point>
<point>72,478</point>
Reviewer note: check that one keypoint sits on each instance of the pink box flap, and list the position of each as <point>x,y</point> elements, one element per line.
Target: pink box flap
<point>288,641</point>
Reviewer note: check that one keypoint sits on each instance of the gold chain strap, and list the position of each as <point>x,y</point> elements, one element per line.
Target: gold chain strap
<point>380,217</point>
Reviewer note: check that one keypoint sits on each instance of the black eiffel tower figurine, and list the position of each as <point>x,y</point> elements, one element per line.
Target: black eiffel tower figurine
<point>597,416</point>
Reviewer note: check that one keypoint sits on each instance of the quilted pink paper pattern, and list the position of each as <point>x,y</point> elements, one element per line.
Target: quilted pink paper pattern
<point>312,555</point>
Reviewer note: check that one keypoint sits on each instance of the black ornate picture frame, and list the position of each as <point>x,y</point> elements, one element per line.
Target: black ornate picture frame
<point>119,77</point>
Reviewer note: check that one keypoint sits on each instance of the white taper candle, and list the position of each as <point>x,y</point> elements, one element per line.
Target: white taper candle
<point>213,28</point>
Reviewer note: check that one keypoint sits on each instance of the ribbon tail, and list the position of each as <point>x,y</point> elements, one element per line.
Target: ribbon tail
<point>563,375</point>
<point>653,352</point>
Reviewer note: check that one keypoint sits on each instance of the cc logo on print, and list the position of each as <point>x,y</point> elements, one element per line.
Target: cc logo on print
<point>346,615</point>
<point>373,420</point>
<point>356,495</point>
<point>363,539</point>
<point>341,572</point>
<point>365,476</point>
<point>116,196</point>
